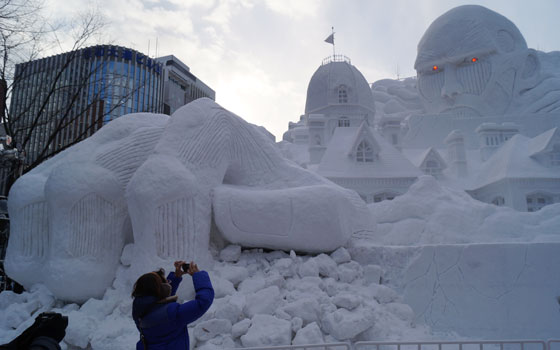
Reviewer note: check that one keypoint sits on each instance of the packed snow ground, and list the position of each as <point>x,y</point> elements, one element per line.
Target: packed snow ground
<point>274,298</point>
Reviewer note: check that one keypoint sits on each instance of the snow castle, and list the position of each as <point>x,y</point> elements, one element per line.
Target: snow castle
<point>482,115</point>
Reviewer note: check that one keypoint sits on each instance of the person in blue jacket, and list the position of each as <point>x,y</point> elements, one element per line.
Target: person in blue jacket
<point>161,320</point>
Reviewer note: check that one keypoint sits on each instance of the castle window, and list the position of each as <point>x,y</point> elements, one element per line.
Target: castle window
<point>364,153</point>
<point>383,196</point>
<point>344,122</point>
<point>342,94</point>
<point>555,155</point>
<point>537,201</point>
<point>432,167</point>
<point>499,201</point>
<point>317,140</point>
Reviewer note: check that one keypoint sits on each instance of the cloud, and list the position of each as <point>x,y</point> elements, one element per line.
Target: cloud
<point>295,9</point>
<point>259,55</point>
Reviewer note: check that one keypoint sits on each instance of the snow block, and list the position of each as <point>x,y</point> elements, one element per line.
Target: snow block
<point>267,330</point>
<point>488,291</point>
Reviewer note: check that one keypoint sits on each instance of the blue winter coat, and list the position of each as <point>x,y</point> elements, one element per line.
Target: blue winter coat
<point>165,325</point>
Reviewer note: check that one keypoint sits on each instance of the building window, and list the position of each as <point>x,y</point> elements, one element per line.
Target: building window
<point>383,196</point>
<point>317,139</point>
<point>342,94</point>
<point>499,201</point>
<point>344,122</point>
<point>537,201</point>
<point>555,156</point>
<point>432,167</point>
<point>364,153</point>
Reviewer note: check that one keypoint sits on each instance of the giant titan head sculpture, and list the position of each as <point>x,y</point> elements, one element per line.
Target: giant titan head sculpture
<point>473,61</point>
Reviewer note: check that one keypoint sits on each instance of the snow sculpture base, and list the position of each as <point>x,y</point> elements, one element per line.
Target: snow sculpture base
<point>487,291</point>
<point>153,180</point>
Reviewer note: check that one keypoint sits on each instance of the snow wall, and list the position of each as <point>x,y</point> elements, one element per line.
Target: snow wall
<point>485,291</point>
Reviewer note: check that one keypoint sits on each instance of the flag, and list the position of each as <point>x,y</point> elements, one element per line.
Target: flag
<point>330,39</point>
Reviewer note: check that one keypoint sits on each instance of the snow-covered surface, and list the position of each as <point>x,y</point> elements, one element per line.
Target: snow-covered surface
<point>388,284</point>
<point>513,160</point>
<point>323,87</point>
<point>430,213</point>
<point>432,263</point>
<point>339,161</point>
<point>262,298</point>
<point>484,291</point>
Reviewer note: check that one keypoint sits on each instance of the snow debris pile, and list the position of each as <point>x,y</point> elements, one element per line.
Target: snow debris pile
<point>430,213</point>
<point>262,298</point>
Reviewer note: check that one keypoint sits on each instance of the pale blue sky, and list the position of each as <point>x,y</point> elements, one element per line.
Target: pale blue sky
<point>260,54</point>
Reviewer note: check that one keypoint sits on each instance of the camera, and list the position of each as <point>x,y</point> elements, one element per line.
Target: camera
<point>53,317</point>
<point>47,324</point>
<point>185,267</point>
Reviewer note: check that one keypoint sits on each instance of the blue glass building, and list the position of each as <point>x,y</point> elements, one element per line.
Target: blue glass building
<point>60,100</point>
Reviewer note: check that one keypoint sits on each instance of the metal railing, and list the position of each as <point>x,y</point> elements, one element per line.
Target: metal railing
<point>553,344</point>
<point>336,58</point>
<point>328,346</point>
<point>455,345</point>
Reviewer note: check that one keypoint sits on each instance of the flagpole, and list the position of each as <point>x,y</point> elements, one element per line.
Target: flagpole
<point>333,52</point>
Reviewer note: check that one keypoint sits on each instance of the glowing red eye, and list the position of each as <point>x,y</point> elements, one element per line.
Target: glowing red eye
<point>474,59</point>
<point>434,68</point>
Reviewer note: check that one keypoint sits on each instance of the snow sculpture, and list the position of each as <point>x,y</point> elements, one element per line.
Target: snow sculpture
<point>154,181</point>
<point>473,61</point>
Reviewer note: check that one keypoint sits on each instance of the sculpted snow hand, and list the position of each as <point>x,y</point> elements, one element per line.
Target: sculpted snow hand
<point>154,180</point>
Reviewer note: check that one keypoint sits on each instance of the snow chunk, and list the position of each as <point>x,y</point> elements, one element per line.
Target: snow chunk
<point>309,268</point>
<point>274,279</point>
<point>222,287</point>
<point>343,324</point>
<point>231,253</point>
<point>402,311</point>
<point>128,253</point>
<point>229,308</point>
<point>78,332</point>
<point>251,284</point>
<point>327,266</point>
<point>383,294</point>
<point>264,301</point>
<point>306,308</point>
<point>285,267</point>
<point>267,330</point>
<point>240,328</point>
<point>310,334</point>
<point>217,343</point>
<point>373,274</point>
<point>209,329</point>
<point>348,272</point>
<point>341,255</point>
<point>347,300</point>
<point>234,274</point>
<point>115,333</point>
<point>297,323</point>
